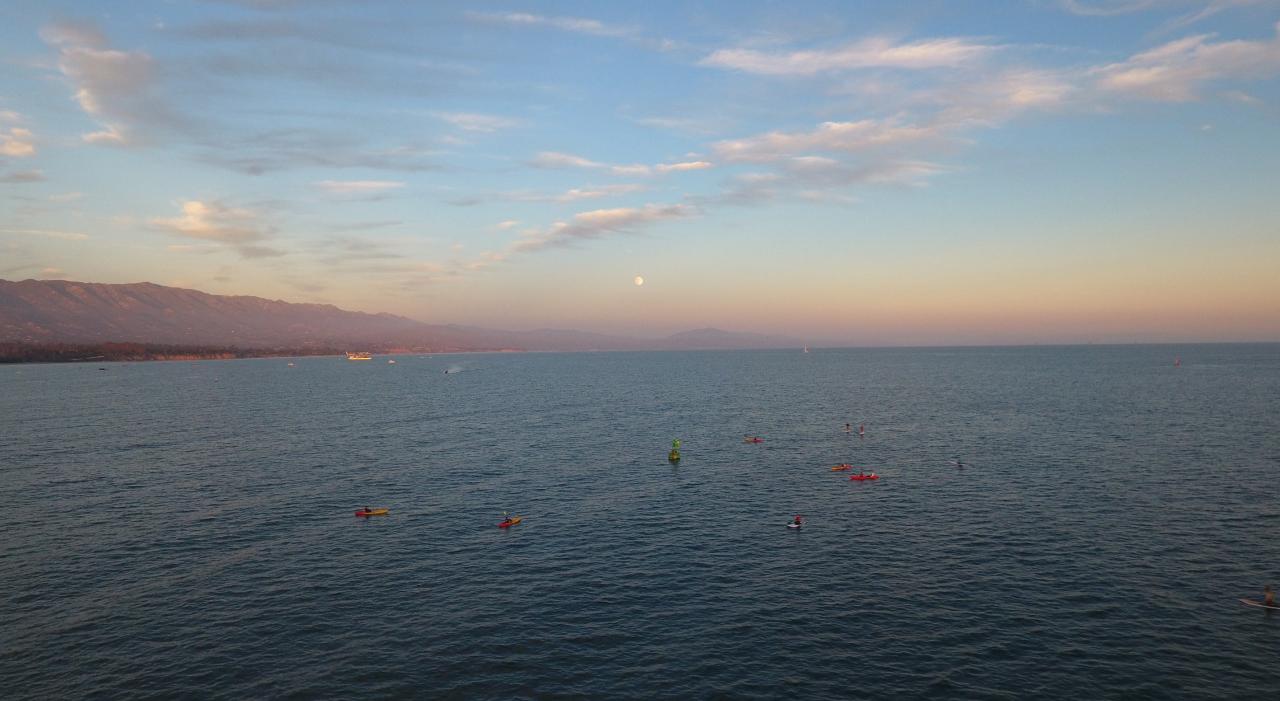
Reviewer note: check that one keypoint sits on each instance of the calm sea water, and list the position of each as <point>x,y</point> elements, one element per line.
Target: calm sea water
<point>186,529</point>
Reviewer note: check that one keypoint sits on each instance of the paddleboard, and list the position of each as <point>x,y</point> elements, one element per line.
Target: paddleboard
<point>794,525</point>
<point>1259,604</point>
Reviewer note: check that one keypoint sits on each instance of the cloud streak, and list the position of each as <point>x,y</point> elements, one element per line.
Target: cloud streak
<point>483,123</point>
<point>576,25</point>
<point>1175,71</point>
<point>359,187</point>
<point>599,223</point>
<point>237,228</point>
<point>22,176</point>
<point>875,52</point>
<point>48,234</point>
<point>1111,8</point>
<point>844,137</point>
<point>554,160</point>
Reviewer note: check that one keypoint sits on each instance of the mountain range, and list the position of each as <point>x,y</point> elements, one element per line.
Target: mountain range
<point>63,311</point>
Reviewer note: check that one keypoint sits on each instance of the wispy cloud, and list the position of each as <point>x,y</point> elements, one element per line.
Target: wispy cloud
<point>470,121</point>
<point>114,86</point>
<point>875,52</point>
<point>343,250</point>
<point>596,192</point>
<point>1175,71</point>
<point>845,137</point>
<point>47,233</point>
<point>556,160</point>
<point>998,97</point>
<point>584,226</point>
<point>1201,9</point>
<point>685,125</point>
<point>241,229</point>
<point>598,224</point>
<point>359,187</point>
<point>366,225</point>
<point>821,180</point>
<point>284,149</point>
<point>576,25</point>
<point>679,167</point>
<point>22,176</point>
<point>1242,97</point>
<point>111,136</point>
<point>69,32</point>
<point>18,143</point>
<point>587,192</point>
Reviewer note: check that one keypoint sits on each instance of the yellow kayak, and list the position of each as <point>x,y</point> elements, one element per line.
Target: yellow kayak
<point>510,522</point>
<point>373,512</point>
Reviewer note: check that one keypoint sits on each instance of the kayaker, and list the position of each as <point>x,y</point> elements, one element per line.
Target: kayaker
<point>1268,596</point>
<point>367,509</point>
<point>797,521</point>
<point>848,428</point>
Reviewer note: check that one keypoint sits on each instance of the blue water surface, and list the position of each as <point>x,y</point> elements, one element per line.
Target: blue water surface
<point>185,529</point>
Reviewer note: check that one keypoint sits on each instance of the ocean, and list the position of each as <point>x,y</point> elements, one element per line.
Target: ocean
<point>186,529</point>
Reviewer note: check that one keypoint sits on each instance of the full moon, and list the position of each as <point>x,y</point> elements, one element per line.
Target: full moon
<point>639,281</point>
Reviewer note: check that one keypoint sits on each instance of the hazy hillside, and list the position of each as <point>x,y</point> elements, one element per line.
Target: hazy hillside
<point>61,311</point>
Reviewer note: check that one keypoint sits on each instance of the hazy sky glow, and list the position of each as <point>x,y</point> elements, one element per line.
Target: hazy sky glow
<point>890,173</point>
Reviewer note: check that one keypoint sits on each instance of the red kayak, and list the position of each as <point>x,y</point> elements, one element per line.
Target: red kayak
<point>510,522</point>
<point>859,478</point>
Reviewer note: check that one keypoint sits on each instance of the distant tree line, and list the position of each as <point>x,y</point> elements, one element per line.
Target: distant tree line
<point>16,352</point>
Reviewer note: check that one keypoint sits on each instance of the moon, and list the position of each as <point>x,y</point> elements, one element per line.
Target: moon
<point>639,281</point>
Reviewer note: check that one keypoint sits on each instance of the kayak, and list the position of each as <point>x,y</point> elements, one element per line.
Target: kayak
<point>373,512</point>
<point>871,476</point>
<point>794,525</point>
<point>511,522</point>
<point>753,440</point>
<point>674,456</point>
<point>1259,604</point>
<point>841,468</point>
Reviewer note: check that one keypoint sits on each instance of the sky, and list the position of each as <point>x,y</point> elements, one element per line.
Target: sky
<point>878,173</point>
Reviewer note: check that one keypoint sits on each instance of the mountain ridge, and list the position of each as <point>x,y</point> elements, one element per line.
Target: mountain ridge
<point>67,311</point>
